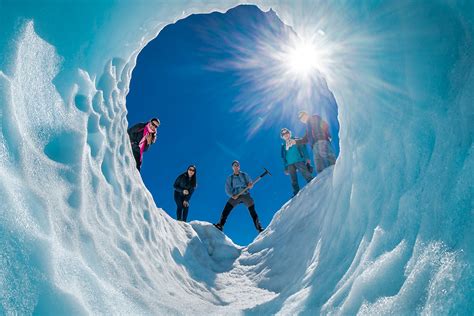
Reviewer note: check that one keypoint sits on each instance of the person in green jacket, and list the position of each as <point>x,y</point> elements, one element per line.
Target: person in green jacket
<point>295,157</point>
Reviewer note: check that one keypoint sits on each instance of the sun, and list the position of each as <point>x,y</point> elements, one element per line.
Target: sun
<point>301,58</point>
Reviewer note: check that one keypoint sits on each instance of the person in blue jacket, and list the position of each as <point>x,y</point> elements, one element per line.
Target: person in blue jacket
<point>236,183</point>
<point>295,157</point>
<point>184,186</point>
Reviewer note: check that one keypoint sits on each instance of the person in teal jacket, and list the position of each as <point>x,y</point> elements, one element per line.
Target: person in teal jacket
<point>295,157</point>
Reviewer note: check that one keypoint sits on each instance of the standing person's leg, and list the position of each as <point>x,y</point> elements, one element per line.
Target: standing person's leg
<point>326,153</point>
<point>179,205</point>
<point>254,215</point>
<point>225,212</point>
<point>318,160</point>
<point>293,178</point>
<point>136,155</point>
<point>330,153</point>
<point>248,201</point>
<point>185,213</point>
<point>301,166</point>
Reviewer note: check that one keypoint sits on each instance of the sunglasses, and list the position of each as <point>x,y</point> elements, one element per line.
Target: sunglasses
<point>155,125</point>
<point>191,169</point>
<point>284,133</point>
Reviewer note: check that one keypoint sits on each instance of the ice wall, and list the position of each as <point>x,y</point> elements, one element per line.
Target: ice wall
<point>389,230</point>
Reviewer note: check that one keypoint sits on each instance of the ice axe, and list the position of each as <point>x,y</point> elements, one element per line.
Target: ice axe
<point>255,181</point>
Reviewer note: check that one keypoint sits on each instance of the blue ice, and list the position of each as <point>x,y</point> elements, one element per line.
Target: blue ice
<point>387,230</point>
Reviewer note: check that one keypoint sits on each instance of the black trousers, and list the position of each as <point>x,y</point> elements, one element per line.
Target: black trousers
<point>228,208</point>
<point>301,166</point>
<point>181,211</point>
<point>136,155</point>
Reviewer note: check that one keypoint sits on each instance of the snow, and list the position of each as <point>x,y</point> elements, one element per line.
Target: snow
<point>388,229</point>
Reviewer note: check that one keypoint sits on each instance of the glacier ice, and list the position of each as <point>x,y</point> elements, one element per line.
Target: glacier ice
<point>389,229</point>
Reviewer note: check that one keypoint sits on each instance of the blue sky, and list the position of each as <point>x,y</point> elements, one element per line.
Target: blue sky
<point>212,111</point>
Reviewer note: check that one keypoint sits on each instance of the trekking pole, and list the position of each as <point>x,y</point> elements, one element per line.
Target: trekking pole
<point>255,181</point>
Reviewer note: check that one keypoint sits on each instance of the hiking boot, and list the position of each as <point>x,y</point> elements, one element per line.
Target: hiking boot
<point>258,226</point>
<point>219,226</point>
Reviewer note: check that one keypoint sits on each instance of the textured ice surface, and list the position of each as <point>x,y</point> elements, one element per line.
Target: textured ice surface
<point>389,229</point>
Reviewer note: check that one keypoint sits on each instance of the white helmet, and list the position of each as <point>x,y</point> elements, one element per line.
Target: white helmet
<point>283,131</point>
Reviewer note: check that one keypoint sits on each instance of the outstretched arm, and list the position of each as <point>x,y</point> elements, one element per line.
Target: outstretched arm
<point>303,140</point>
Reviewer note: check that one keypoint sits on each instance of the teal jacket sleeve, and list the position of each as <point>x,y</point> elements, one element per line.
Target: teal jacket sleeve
<point>283,156</point>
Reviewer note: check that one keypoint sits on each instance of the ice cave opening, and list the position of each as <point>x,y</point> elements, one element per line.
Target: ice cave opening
<point>388,230</point>
<point>216,92</point>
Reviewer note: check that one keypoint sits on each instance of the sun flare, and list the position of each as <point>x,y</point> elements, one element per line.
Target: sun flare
<point>302,58</point>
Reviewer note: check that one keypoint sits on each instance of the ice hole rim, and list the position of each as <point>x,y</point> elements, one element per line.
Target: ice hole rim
<point>224,12</point>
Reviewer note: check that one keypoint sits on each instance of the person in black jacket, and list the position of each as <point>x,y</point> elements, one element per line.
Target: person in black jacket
<point>184,186</point>
<point>142,135</point>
